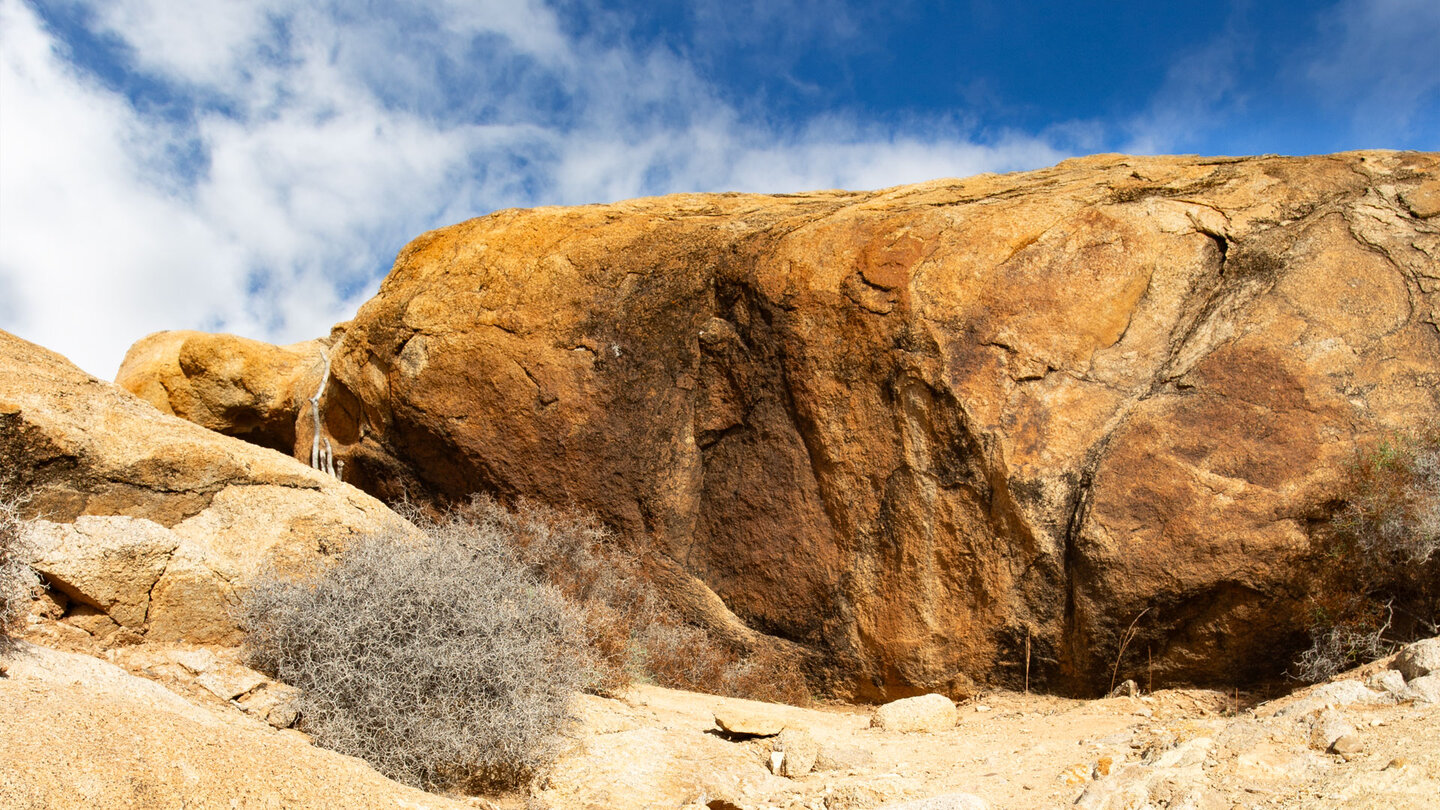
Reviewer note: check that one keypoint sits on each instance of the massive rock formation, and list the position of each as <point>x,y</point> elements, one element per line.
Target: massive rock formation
<point>149,524</point>
<point>921,430</point>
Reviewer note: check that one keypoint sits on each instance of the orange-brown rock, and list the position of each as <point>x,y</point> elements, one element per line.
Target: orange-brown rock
<point>915,428</point>
<point>231,384</point>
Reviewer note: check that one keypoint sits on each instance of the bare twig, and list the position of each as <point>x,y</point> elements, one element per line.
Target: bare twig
<point>1027,660</point>
<point>1125,639</point>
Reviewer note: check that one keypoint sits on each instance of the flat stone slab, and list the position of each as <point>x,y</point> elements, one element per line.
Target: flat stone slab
<point>738,721</point>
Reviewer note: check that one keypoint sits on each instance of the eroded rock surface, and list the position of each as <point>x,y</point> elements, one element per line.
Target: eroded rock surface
<point>925,429</point>
<point>150,524</point>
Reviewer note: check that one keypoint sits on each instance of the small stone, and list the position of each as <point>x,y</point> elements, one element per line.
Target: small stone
<point>1387,680</point>
<point>1348,744</point>
<point>1126,688</point>
<point>1425,689</point>
<point>1418,659</point>
<point>981,707</point>
<point>283,716</point>
<point>1076,774</point>
<point>741,721</point>
<point>1328,726</point>
<point>1103,767</point>
<point>925,713</point>
<point>800,752</point>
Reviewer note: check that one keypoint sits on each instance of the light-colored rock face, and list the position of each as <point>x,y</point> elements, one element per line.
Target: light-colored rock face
<point>914,428</point>
<point>1419,659</point>
<point>152,524</point>
<point>745,721</point>
<point>81,732</point>
<point>923,713</point>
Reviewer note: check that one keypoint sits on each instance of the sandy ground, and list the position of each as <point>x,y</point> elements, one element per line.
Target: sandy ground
<point>656,747</point>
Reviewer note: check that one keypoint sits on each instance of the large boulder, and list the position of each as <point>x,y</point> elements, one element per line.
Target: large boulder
<point>966,429</point>
<point>241,387</point>
<point>149,523</point>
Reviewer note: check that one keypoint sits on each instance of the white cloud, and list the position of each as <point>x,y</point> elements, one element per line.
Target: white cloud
<point>89,249</point>
<point>199,41</point>
<point>327,137</point>
<point>1380,59</point>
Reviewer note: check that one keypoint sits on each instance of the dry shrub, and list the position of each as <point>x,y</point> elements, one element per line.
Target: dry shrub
<point>443,662</point>
<point>448,662</point>
<point>683,656</point>
<point>1379,570</point>
<point>632,630</point>
<point>17,580</point>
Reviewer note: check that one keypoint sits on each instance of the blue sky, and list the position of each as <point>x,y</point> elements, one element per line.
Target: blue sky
<point>253,166</point>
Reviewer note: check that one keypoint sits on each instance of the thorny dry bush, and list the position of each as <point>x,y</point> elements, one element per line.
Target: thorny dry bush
<point>17,580</point>
<point>1380,568</point>
<point>441,661</point>
<point>448,662</point>
<point>634,633</point>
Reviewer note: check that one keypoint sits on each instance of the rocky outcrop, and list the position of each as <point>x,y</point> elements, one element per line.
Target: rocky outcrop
<point>927,429</point>
<point>241,387</point>
<point>148,525</point>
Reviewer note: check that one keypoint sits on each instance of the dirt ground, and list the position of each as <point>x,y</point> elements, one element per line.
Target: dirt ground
<point>1340,744</point>
<point>1174,748</point>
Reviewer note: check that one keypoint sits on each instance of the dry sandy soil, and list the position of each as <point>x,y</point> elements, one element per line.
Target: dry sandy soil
<point>655,747</point>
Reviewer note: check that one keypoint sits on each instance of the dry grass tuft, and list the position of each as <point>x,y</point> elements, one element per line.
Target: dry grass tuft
<point>634,633</point>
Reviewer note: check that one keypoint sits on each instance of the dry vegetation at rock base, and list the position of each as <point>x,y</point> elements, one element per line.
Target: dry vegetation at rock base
<point>632,629</point>
<point>448,661</point>
<point>17,581</point>
<point>1378,568</point>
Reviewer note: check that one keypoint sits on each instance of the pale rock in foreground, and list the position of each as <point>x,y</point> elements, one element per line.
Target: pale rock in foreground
<point>923,713</point>
<point>800,751</point>
<point>81,733</point>
<point>110,563</point>
<point>1419,659</point>
<point>152,524</point>
<point>732,720</point>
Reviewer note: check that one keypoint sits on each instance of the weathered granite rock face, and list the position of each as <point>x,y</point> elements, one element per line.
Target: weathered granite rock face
<point>915,427</point>
<point>150,523</point>
<point>241,387</point>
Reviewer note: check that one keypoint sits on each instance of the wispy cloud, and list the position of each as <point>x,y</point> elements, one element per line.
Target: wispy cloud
<point>313,140</point>
<point>1378,61</point>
